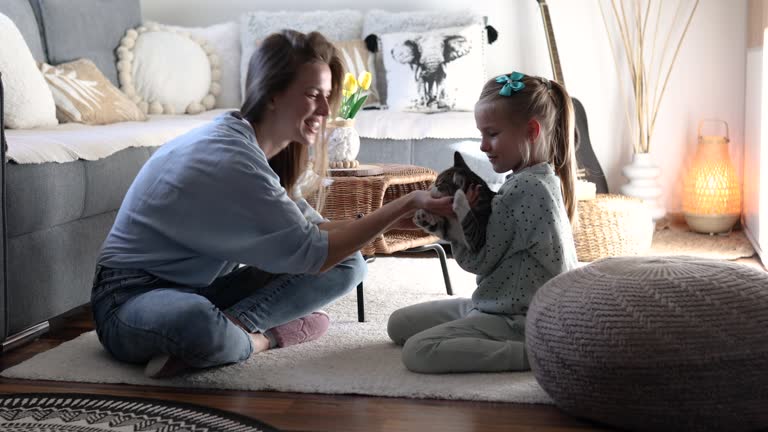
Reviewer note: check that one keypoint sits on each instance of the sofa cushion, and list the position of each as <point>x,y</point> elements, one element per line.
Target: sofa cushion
<point>357,59</point>
<point>225,40</point>
<point>88,28</point>
<point>84,95</point>
<point>40,196</point>
<point>28,101</point>
<point>655,343</point>
<point>168,71</point>
<point>378,22</point>
<point>22,14</point>
<point>337,25</point>
<point>450,64</point>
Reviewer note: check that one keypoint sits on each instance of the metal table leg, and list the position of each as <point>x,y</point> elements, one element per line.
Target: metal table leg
<point>360,298</point>
<point>443,262</point>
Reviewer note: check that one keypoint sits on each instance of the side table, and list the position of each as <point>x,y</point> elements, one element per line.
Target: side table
<point>350,195</point>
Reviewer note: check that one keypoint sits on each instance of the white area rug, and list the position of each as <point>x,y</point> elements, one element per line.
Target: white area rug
<point>353,358</point>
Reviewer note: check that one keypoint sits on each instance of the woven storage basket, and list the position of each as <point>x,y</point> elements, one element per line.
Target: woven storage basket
<point>349,196</point>
<point>612,225</point>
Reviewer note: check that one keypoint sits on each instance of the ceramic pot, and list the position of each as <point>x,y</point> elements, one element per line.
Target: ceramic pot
<point>643,175</point>
<point>343,143</point>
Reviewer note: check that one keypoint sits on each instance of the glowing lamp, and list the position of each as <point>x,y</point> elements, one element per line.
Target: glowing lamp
<point>711,191</point>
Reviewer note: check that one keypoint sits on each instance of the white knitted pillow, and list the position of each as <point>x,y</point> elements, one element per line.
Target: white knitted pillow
<point>338,25</point>
<point>168,71</point>
<point>28,100</point>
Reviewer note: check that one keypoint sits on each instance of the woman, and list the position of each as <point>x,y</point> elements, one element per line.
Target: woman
<point>210,260</point>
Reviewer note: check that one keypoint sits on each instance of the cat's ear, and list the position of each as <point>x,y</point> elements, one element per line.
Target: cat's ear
<point>458,160</point>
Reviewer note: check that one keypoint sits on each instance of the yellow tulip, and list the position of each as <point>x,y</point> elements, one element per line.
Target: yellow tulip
<point>365,79</point>
<point>350,83</point>
<point>346,93</point>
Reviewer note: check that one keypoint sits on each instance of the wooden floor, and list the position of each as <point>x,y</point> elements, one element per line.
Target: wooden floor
<point>310,412</point>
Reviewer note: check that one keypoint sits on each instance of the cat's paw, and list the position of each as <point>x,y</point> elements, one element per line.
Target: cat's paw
<point>427,221</point>
<point>461,204</point>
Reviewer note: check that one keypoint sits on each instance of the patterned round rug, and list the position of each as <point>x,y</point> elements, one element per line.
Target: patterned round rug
<point>52,412</point>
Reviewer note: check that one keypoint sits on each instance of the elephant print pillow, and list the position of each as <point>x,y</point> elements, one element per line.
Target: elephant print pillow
<point>438,70</point>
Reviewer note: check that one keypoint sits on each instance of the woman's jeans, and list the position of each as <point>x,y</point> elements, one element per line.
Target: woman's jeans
<point>139,316</point>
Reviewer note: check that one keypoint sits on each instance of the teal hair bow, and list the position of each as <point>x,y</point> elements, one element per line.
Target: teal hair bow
<point>512,83</point>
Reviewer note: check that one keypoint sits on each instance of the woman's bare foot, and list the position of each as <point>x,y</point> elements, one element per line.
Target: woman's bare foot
<point>259,342</point>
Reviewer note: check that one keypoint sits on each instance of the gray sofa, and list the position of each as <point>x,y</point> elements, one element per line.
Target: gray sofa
<point>57,214</point>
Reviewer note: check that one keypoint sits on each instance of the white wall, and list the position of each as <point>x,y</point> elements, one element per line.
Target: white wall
<point>753,131</point>
<point>708,80</point>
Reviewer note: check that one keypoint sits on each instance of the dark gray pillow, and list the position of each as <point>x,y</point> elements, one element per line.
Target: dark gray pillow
<point>21,13</point>
<point>655,343</point>
<point>89,29</point>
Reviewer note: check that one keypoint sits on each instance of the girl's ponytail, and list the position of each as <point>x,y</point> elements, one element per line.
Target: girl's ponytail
<point>564,147</point>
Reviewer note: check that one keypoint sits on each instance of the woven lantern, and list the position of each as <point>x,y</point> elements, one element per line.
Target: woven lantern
<point>712,192</point>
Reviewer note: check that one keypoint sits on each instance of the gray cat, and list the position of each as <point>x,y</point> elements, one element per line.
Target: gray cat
<point>470,225</point>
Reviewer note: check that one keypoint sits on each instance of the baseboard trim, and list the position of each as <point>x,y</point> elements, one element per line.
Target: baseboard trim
<point>25,336</point>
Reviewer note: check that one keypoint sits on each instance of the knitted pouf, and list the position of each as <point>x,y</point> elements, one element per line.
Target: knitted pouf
<point>655,343</point>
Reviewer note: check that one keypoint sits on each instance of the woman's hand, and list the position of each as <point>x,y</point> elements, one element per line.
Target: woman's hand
<point>406,222</point>
<point>422,199</point>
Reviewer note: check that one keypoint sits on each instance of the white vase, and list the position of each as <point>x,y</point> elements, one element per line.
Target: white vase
<point>643,175</point>
<point>343,144</point>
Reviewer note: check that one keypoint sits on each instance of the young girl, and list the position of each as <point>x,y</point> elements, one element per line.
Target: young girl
<point>527,126</point>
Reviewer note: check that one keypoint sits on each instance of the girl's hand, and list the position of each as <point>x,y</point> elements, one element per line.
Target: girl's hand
<point>473,194</point>
<point>422,199</point>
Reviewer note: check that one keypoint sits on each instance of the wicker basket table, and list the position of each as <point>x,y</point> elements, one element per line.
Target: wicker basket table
<point>349,196</point>
<point>612,225</point>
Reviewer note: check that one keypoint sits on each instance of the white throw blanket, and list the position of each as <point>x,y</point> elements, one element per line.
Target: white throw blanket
<point>401,125</point>
<point>72,141</point>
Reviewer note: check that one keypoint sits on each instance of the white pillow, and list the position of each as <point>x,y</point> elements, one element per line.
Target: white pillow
<point>27,98</point>
<point>225,40</point>
<point>167,71</point>
<point>338,25</point>
<point>378,22</point>
<point>438,70</point>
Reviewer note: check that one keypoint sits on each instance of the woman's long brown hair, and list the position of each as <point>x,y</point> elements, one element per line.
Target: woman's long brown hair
<point>272,68</point>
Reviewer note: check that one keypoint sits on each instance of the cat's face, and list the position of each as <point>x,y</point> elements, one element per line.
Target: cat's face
<point>459,176</point>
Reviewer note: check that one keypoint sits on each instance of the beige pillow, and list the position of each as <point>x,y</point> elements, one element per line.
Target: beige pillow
<point>84,95</point>
<point>356,59</point>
